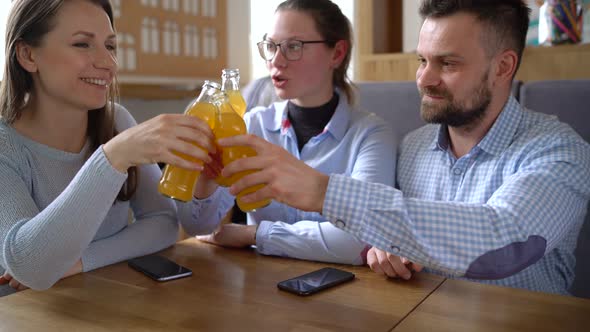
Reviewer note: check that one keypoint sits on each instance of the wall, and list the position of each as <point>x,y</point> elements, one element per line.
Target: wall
<point>4,8</point>
<point>412,23</point>
<point>238,17</point>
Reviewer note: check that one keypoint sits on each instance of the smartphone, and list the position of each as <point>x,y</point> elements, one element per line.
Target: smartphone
<point>159,268</point>
<point>315,281</point>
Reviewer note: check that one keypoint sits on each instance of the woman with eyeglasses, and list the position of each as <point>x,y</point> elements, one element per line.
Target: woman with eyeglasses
<point>307,51</point>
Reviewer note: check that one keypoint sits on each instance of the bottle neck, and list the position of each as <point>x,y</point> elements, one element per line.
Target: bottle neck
<point>207,94</point>
<point>230,83</point>
<point>221,101</point>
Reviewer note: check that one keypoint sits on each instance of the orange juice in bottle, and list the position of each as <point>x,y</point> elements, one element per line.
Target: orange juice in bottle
<point>230,84</point>
<point>177,182</point>
<point>229,123</point>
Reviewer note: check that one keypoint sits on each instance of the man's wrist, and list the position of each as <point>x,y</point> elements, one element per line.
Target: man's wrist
<point>255,230</point>
<point>323,181</point>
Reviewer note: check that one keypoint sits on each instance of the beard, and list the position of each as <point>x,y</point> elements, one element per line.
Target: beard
<point>456,113</point>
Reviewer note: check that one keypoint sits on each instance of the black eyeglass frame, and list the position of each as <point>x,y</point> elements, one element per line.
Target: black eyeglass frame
<point>278,46</point>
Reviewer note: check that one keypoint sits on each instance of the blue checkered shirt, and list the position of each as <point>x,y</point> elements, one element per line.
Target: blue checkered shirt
<point>507,213</point>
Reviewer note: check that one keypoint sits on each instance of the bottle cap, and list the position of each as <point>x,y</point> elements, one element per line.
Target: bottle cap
<point>211,84</point>
<point>230,72</point>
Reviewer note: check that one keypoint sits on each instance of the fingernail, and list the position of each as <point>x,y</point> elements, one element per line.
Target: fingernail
<point>231,189</point>
<point>407,276</point>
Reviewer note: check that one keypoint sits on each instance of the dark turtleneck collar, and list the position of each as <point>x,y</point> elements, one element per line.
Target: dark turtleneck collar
<point>310,121</point>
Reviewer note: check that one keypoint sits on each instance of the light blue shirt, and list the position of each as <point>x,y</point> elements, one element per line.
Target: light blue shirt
<point>507,213</point>
<point>354,144</point>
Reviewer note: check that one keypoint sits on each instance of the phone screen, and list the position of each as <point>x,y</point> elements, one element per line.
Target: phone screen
<point>159,268</point>
<point>315,281</point>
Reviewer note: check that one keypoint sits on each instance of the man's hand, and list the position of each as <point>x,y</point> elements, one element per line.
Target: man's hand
<point>391,265</point>
<point>231,235</point>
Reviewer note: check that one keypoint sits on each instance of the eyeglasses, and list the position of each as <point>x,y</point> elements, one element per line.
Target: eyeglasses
<point>292,49</point>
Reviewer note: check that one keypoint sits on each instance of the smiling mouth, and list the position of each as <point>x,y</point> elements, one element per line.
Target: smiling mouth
<point>96,81</point>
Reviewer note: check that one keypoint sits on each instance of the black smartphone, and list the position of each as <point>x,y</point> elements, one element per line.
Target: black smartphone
<point>159,268</point>
<point>315,281</point>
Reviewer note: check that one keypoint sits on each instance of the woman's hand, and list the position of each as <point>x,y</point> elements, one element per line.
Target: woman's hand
<point>8,279</point>
<point>157,139</point>
<point>75,269</point>
<point>206,184</point>
<point>12,282</point>
<point>231,235</point>
<point>288,180</point>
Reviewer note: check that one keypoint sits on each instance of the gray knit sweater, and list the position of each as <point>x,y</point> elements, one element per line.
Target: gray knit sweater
<point>57,207</point>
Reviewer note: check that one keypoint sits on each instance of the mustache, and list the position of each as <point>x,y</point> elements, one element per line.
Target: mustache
<point>434,92</point>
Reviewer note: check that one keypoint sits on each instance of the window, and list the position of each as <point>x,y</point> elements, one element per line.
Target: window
<point>116,8</point>
<point>209,8</point>
<point>171,37</point>
<point>171,5</point>
<point>155,36</point>
<point>126,55</point>
<point>209,43</point>
<point>150,35</point>
<point>191,41</point>
<point>150,3</point>
<point>191,7</point>
<point>145,35</point>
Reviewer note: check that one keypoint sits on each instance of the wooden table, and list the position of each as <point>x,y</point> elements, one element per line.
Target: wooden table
<point>230,290</point>
<point>235,290</point>
<point>459,306</point>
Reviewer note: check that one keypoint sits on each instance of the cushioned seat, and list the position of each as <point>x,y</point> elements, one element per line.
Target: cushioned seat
<point>567,100</point>
<point>398,103</point>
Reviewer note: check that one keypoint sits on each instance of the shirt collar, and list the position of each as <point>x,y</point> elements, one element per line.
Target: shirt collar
<point>502,132</point>
<point>498,138</point>
<point>337,125</point>
<point>276,123</point>
<point>441,141</point>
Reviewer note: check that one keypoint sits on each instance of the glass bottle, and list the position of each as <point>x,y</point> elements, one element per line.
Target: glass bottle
<point>230,84</point>
<point>176,182</point>
<point>229,123</point>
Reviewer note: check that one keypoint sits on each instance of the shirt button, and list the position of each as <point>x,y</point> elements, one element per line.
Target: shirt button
<point>395,249</point>
<point>340,223</point>
<point>457,171</point>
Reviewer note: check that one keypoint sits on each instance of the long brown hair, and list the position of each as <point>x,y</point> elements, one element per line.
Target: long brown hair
<point>29,21</point>
<point>333,26</point>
